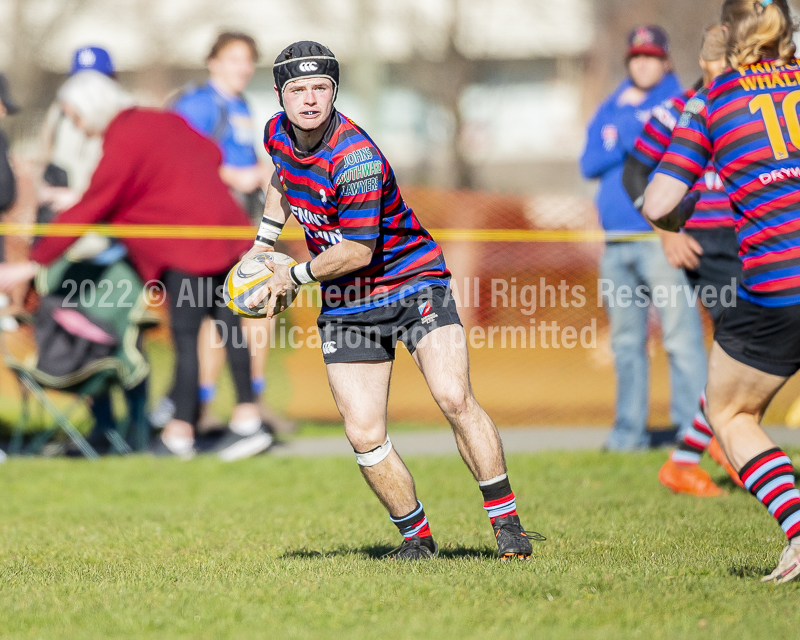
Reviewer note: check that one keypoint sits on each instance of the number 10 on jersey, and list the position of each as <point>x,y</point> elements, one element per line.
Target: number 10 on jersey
<point>769,112</point>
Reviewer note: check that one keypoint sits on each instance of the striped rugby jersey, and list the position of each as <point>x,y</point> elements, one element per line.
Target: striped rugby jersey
<point>346,189</point>
<point>714,208</point>
<point>748,120</point>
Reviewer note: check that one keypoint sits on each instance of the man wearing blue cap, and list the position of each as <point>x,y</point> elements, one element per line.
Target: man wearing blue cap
<point>634,268</point>
<point>71,156</point>
<point>94,58</point>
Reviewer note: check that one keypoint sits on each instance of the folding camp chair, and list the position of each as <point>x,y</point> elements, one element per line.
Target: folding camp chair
<point>34,385</point>
<point>122,365</point>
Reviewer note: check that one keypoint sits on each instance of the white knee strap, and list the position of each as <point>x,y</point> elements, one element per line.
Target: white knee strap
<point>378,454</point>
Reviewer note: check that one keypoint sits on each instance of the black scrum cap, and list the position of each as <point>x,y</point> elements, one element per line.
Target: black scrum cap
<point>305,59</point>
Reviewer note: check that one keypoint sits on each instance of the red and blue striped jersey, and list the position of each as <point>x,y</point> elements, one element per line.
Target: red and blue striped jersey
<point>346,189</point>
<point>747,119</point>
<point>714,207</point>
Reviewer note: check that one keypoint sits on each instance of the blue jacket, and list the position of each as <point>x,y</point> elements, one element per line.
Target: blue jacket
<point>612,134</point>
<point>224,119</point>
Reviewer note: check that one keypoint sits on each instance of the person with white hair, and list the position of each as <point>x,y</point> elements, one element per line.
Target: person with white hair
<point>92,100</point>
<point>154,170</point>
<point>69,156</point>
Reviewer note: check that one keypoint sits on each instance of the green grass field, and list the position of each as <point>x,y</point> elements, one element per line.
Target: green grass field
<point>289,548</point>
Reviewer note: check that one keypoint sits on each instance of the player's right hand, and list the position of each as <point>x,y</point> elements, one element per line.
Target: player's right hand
<point>256,249</point>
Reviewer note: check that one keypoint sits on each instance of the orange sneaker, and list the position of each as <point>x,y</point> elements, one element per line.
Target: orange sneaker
<point>718,455</point>
<point>688,478</point>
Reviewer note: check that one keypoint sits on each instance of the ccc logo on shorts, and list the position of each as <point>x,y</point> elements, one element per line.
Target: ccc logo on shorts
<point>328,348</point>
<point>305,67</point>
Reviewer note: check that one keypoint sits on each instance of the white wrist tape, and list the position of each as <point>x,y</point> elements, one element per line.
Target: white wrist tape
<point>268,232</point>
<point>371,458</point>
<point>301,273</point>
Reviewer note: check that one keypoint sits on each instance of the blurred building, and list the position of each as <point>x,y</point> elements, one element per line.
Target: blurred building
<point>490,94</point>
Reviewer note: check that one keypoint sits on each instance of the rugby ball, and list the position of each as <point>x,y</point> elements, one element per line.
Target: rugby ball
<point>247,277</point>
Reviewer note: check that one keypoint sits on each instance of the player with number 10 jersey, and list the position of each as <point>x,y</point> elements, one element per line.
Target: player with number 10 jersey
<point>748,121</point>
<point>741,119</point>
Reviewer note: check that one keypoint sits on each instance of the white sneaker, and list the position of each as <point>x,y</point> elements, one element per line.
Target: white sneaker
<point>180,447</point>
<point>233,446</point>
<point>788,566</point>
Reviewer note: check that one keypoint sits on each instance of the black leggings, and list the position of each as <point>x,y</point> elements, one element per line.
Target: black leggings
<point>191,299</point>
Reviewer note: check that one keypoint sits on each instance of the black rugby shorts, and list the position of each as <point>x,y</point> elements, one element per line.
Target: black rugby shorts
<point>765,338</point>
<point>372,335</point>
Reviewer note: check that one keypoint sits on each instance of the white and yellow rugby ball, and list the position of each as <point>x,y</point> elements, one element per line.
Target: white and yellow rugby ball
<point>247,277</point>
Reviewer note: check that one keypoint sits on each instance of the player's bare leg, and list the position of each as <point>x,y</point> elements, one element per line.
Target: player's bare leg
<point>361,392</point>
<point>443,358</point>
<point>444,361</point>
<point>737,397</point>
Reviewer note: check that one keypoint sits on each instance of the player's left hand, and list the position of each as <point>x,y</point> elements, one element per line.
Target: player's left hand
<point>279,289</point>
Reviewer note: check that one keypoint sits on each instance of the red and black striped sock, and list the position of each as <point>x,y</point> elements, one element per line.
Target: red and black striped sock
<point>413,524</point>
<point>770,478</point>
<point>695,441</point>
<point>498,498</point>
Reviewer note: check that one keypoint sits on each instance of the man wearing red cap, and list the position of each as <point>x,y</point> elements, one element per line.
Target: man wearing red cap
<point>634,269</point>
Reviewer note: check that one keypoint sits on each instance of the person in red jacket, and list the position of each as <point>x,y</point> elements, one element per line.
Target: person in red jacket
<point>156,170</point>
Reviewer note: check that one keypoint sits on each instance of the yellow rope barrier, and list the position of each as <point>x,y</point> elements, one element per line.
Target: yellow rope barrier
<point>296,233</point>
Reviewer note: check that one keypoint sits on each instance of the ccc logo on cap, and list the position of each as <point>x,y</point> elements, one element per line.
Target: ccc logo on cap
<point>308,66</point>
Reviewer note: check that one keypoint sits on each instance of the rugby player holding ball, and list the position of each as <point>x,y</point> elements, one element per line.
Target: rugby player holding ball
<point>383,279</point>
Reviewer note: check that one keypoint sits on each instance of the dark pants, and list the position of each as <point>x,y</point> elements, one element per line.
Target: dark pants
<point>719,265</point>
<point>138,427</point>
<point>191,299</point>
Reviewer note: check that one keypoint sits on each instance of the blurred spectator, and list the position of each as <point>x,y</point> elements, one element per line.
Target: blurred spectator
<point>70,156</point>
<point>92,59</point>
<point>630,262</point>
<point>155,170</point>
<point>8,187</point>
<point>219,111</point>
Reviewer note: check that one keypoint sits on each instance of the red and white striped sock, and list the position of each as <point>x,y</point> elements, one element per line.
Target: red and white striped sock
<point>770,478</point>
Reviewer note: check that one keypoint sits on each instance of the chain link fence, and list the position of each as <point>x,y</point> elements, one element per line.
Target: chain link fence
<point>525,278</point>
